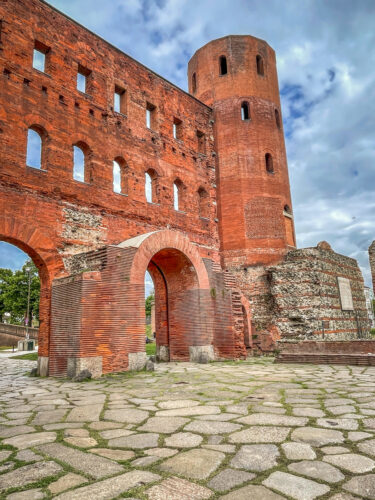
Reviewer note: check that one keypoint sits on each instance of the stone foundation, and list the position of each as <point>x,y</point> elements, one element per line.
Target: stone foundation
<point>137,361</point>
<point>93,364</point>
<point>43,365</point>
<point>201,353</point>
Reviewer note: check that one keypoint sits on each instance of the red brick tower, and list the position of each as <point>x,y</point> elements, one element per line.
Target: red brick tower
<point>237,76</point>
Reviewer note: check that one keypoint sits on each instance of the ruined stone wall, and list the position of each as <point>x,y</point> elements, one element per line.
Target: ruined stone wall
<point>307,299</point>
<point>371,252</point>
<point>81,216</point>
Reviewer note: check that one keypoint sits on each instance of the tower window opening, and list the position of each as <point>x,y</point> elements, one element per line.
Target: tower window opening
<point>277,118</point>
<point>194,83</point>
<point>269,163</point>
<point>223,65</point>
<point>260,65</point>
<point>34,148</point>
<point>245,111</point>
<point>287,210</point>
<point>119,100</point>
<point>1,29</point>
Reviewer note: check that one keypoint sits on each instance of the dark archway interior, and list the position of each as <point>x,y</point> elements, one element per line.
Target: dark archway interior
<point>176,303</point>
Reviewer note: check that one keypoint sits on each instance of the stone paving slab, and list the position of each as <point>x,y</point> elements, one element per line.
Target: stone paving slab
<point>111,488</point>
<point>175,488</point>
<point>28,474</point>
<point>92,465</point>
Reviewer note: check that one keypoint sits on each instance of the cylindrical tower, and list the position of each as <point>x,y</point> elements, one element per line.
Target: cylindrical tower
<point>237,76</point>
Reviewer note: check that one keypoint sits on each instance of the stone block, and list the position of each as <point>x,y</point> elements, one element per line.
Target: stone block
<point>92,364</point>
<point>201,353</point>
<point>137,361</point>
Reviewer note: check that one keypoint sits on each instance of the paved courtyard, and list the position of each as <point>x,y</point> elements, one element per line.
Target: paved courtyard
<point>247,430</point>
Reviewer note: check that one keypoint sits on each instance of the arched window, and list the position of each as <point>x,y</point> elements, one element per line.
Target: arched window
<point>176,192</point>
<point>260,65</point>
<point>277,118</point>
<point>120,178</point>
<point>287,210</point>
<point>79,160</point>
<point>203,203</point>
<point>223,65</point>
<point>194,83</point>
<point>34,148</point>
<point>245,111</point>
<point>151,186</point>
<point>148,187</point>
<point>269,163</point>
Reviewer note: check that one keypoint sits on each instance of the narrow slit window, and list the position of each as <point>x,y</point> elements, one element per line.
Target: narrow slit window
<point>203,201</point>
<point>260,65</point>
<point>277,118</point>
<point>150,116</point>
<point>176,196</point>
<point>245,111</point>
<point>1,29</point>
<point>78,164</point>
<point>201,138</point>
<point>117,188</point>
<point>269,163</point>
<point>177,128</point>
<point>149,188</point>
<point>194,83</point>
<point>223,65</point>
<point>34,149</point>
<point>119,100</point>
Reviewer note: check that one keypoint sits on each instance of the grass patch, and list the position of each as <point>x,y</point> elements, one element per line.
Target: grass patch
<point>32,356</point>
<point>151,349</point>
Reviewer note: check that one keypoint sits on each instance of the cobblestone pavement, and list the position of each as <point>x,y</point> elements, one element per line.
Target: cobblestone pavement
<point>246,430</point>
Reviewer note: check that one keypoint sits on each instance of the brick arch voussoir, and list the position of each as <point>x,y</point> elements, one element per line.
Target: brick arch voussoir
<point>36,244</point>
<point>161,240</point>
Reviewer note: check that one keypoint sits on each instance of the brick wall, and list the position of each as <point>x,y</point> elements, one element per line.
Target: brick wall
<point>371,252</point>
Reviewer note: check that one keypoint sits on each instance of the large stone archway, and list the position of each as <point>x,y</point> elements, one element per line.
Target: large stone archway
<point>43,252</point>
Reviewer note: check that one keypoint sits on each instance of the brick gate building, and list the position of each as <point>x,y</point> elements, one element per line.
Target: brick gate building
<point>108,170</point>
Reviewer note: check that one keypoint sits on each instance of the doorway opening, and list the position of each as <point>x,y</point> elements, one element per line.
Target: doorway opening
<point>174,310</point>
<point>19,297</point>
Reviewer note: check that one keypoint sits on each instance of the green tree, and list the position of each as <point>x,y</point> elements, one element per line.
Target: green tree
<point>150,299</point>
<point>5,277</point>
<point>14,292</point>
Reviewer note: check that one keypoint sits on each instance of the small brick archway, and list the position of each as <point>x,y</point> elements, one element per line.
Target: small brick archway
<point>181,284</point>
<point>41,249</point>
<point>98,315</point>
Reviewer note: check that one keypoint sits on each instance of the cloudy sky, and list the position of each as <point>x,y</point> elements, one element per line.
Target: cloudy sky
<point>326,65</point>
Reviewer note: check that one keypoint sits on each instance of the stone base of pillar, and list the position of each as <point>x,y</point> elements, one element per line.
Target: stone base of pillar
<point>162,353</point>
<point>137,361</point>
<point>201,353</point>
<point>43,362</point>
<point>92,364</point>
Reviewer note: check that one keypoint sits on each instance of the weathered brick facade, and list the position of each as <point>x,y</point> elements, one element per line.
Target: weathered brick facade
<point>371,253</point>
<point>93,236</point>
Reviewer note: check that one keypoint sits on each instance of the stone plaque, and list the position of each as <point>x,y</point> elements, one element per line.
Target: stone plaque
<point>346,298</point>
